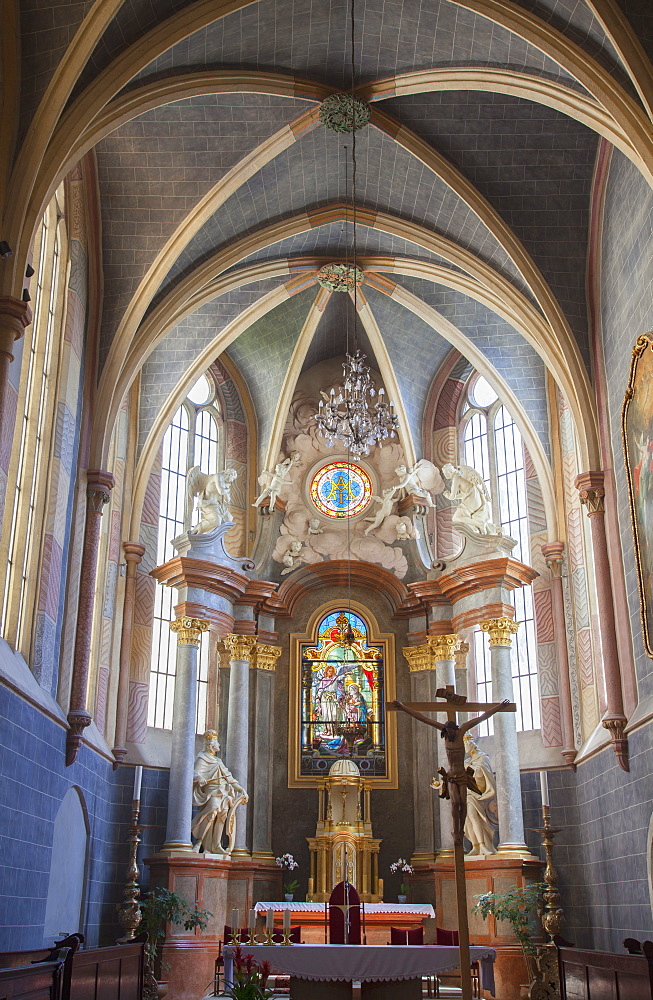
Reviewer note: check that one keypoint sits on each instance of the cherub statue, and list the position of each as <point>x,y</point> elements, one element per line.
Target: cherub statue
<point>291,557</point>
<point>405,531</point>
<point>418,481</point>
<point>212,496</point>
<point>387,503</point>
<point>273,482</point>
<point>314,526</point>
<point>474,510</point>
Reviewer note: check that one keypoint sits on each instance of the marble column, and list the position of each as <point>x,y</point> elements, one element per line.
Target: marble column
<point>134,552</point>
<point>592,496</point>
<point>506,754</point>
<point>241,651</point>
<point>98,485</point>
<point>261,795</point>
<point>15,315</point>
<point>443,649</point>
<point>553,553</point>
<point>182,758</point>
<point>422,688</point>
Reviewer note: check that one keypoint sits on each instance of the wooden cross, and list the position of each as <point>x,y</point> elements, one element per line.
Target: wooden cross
<point>456,780</point>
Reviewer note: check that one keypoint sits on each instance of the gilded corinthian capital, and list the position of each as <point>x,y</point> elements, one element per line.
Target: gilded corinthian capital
<point>443,647</point>
<point>189,630</point>
<point>500,630</point>
<point>240,647</point>
<point>419,658</point>
<point>267,656</point>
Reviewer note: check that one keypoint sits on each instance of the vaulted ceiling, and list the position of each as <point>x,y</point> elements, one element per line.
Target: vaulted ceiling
<point>221,194</point>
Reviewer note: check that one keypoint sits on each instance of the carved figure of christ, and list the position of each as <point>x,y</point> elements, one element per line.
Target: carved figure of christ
<point>455,782</point>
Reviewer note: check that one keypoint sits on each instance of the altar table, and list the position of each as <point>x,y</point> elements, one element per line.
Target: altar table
<point>379,918</point>
<point>367,964</point>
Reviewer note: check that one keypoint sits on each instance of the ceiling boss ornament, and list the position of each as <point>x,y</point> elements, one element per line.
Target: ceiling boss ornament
<point>344,113</point>
<point>339,277</point>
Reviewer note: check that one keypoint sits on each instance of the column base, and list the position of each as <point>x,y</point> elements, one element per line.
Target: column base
<point>177,847</point>
<point>421,858</point>
<point>445,854</point>
<point>513,851</point>
<point>263,857</point>
<point>240,854</point>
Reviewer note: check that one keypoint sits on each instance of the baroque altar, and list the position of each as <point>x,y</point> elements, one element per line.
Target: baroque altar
<point>343,846</point>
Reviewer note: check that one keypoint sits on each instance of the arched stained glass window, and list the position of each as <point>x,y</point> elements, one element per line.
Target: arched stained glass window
<point>342,698</point>
<point>492,444</point>
<point>192,438</point>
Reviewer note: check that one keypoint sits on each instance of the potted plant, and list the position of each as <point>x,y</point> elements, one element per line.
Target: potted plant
<point>250,979</point>
<point>288,864</point>
<point>159,907</point>
<point>516,906</point>
<point>402,866</point>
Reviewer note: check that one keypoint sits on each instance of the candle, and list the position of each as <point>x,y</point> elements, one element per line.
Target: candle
<point>286,921</point>
<point>138,777</point>
<point>235,922</point>
<point>252,923</point>
<point>269,921</point>
<point>544,786</point>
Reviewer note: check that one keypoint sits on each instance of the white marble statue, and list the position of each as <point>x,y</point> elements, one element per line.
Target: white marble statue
<point>482,820</point>
<point>274,482</point>
<point>404,531</point>
<point>419,481</point>
<point>291,556</point>
<point>387,503</point>
<point>218,794</point>
<point>474,510</point>
<point>314,526</point>
<point>212,496</point>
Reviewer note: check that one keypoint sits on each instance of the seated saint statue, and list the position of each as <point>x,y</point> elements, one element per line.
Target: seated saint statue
<point>481,822</point>
<point>218,794</point>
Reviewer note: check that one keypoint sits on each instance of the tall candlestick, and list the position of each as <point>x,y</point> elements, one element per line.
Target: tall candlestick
<point>286,926</point>
<point>251,929</point>
<point>544,786</point>
<point>235,927</point>
<point>138,777</point>
<point>269,926</point>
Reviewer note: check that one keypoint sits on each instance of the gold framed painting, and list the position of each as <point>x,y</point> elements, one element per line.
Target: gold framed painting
<point>637,433</point>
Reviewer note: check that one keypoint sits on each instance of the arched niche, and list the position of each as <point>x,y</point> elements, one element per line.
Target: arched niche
<point>64,909</point>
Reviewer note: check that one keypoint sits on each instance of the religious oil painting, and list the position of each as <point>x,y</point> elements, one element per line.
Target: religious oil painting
<point>342,695</point>
<point>637,427</point>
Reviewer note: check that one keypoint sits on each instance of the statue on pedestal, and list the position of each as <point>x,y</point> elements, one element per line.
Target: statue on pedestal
<point>218,793</point>
<point>482,819</point>
<point>474,510</point>
<point>212,495</point>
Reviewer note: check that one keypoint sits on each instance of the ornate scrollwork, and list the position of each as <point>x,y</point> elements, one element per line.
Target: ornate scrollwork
<point>500,630</point>
<point>189,630</point>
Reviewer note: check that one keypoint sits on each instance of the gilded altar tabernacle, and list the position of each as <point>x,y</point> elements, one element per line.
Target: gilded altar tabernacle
<point>343,846</point>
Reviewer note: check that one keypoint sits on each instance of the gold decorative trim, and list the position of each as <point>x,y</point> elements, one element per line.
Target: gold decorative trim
<point>461,654</point>
<point>266,657</point>
<point>646,612</point>
<point>189,630</point>
<point>499,630</point>
<point>419,658</point>
<point>443,647</point>
<point>240,647</point>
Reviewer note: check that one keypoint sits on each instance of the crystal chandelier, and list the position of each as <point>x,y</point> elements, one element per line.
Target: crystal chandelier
<point>351,417</point>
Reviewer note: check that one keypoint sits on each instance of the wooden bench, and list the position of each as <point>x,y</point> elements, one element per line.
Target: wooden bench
<point>604,975</point>
<point>41,981</point>
<point>113,973</point>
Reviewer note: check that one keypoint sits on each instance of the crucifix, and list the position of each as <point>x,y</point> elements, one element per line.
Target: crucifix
<point>456,779</point>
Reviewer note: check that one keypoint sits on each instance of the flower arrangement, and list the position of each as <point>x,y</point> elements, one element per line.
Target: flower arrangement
<point>250,979</point>
<point>288,864</point>
<point>402,866</point>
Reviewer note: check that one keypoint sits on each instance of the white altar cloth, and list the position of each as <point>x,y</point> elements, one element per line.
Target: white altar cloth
<point>362,962</point>
<point>423,909</point>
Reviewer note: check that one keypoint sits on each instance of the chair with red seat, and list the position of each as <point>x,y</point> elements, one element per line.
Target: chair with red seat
<point>452,977</point>
<point>411,935</point>
<point>344,904</point>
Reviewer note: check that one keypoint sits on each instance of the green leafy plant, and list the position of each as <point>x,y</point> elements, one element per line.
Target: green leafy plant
<point>290,887</point>
<point>516,906</point>
<point>163,906</point>
<point>250,979</point>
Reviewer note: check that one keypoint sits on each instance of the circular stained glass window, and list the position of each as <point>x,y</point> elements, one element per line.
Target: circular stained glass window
<point>341,489</point>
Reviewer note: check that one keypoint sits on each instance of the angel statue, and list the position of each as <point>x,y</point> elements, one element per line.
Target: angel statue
<point>474,510</point>
<point>418,481</point>
<point>212,496</point>
<point>273,482</point>
<point>387,503</point>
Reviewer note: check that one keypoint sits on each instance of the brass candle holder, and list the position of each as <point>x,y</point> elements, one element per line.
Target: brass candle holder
<point>286,937</point>
<point>552,916</point>
<point>269,940</point>
<point>129,911</point>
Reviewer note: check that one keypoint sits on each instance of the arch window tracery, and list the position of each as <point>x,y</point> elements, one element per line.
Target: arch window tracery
<point>491,442</point>
<point>192,438</point>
